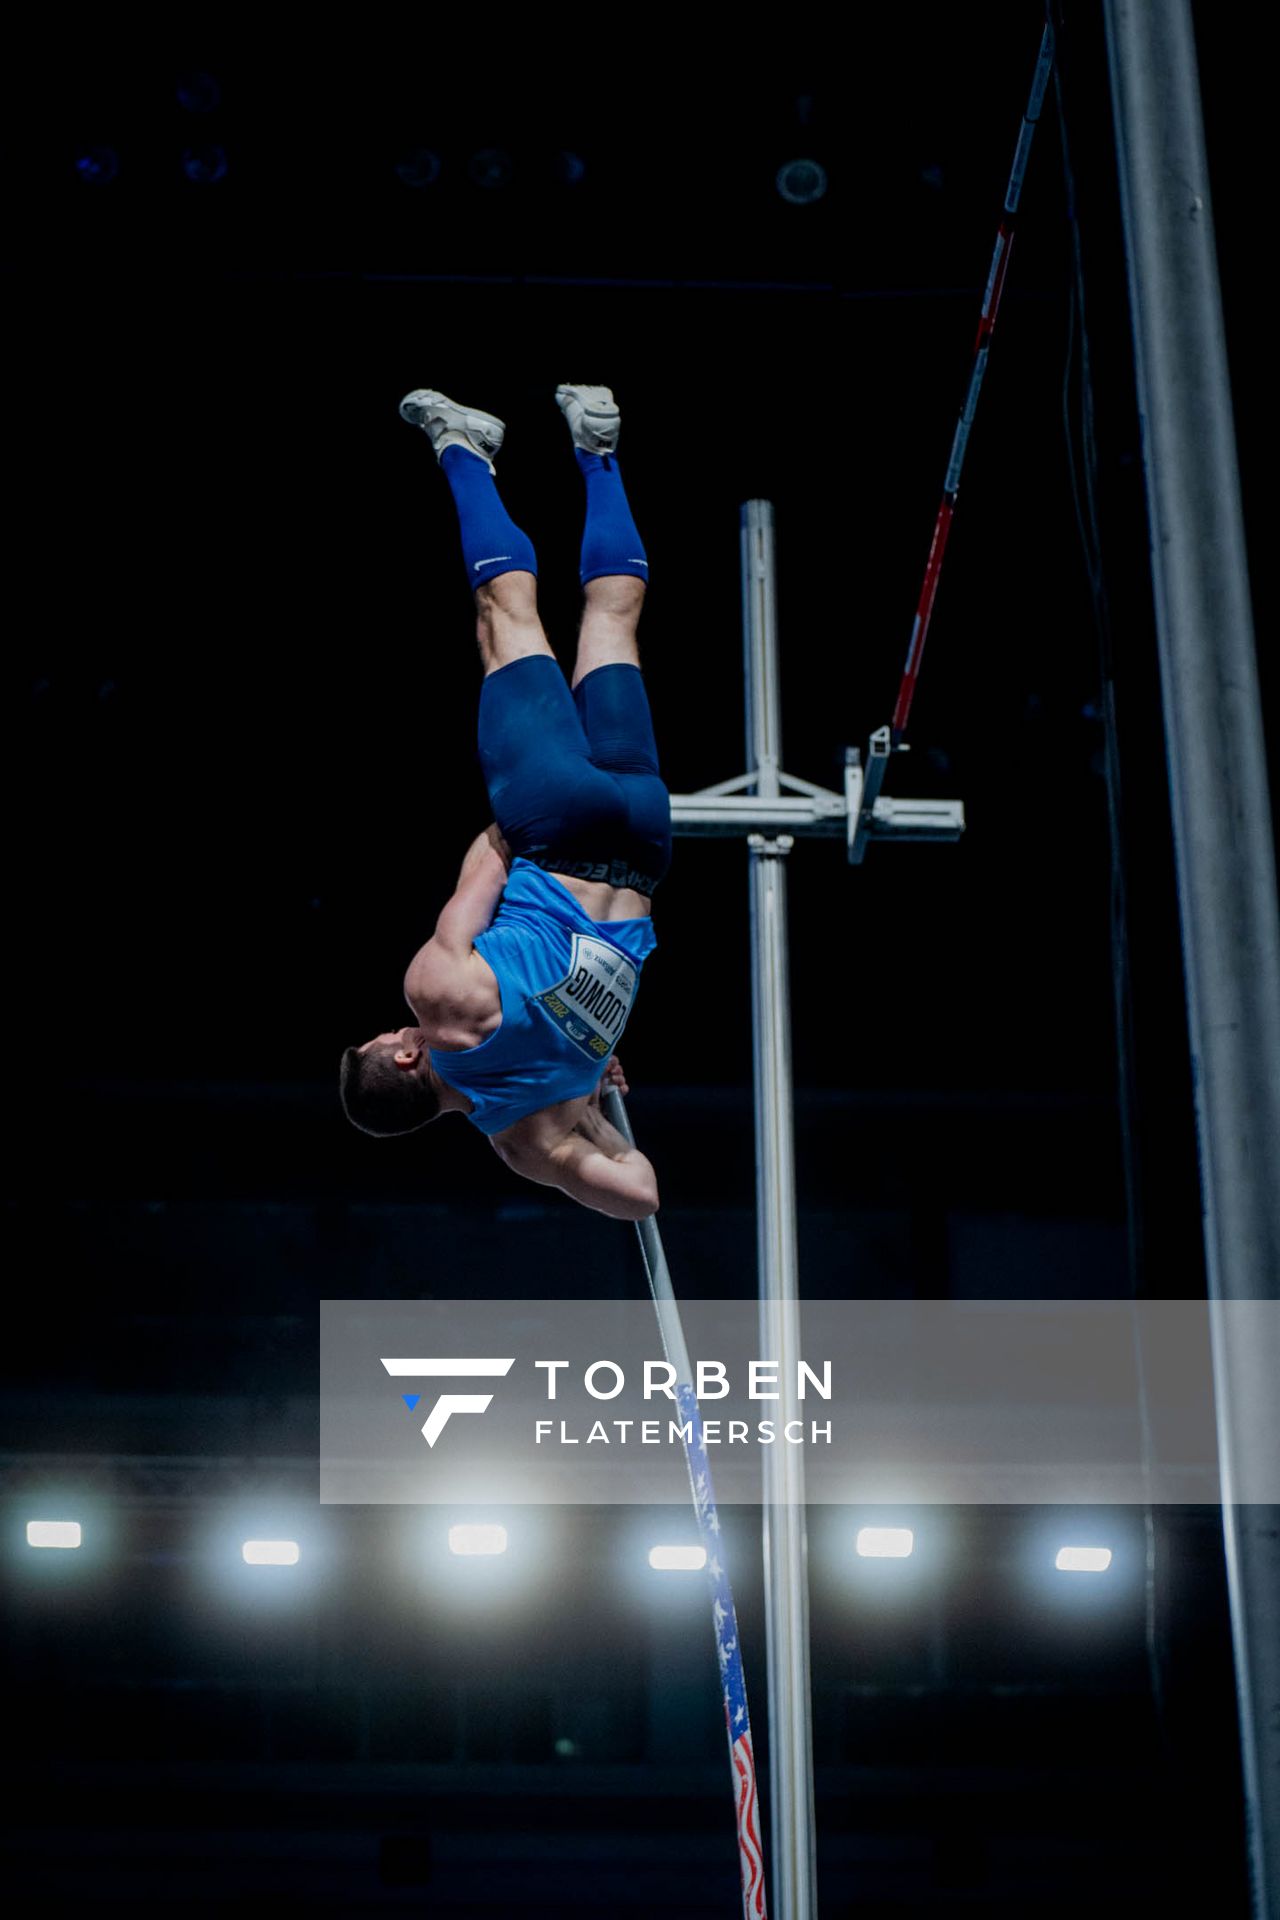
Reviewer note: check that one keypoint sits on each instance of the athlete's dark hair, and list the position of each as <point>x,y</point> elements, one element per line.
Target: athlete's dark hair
<point>381,1098</point>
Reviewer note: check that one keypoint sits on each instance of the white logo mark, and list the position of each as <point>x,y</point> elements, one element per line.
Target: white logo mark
<point>450,1403</point>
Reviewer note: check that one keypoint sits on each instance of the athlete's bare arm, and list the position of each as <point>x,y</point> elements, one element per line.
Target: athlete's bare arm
<point>590,1161</point>
<point>474,900</point>
<point>446,983</point>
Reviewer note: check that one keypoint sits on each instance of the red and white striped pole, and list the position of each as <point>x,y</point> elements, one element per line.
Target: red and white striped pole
<point>981,349</point>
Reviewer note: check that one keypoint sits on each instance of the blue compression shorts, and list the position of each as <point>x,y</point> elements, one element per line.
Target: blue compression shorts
<point>573,774</point>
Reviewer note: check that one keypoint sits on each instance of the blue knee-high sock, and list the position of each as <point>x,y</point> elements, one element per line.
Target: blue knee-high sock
<point>492,543</point>
<point>610,542</point>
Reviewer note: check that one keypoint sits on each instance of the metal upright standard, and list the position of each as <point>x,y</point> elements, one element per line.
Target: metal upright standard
<point>1221,824</point>
<point>771,808</point>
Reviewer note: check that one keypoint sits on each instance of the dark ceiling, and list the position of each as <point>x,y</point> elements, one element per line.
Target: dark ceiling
<point>242,683</point>
<point>240,689</point>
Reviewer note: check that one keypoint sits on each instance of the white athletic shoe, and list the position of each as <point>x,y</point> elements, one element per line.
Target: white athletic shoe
<point>593,416</point>
<point>446,424</point>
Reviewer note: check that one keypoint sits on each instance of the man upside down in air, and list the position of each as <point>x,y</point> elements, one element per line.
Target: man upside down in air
<point>522,992</point>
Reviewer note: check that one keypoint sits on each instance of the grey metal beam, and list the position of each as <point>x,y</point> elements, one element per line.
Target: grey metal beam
<point>816,816</point>
<point>791,1802</point>
<point>1221,813</point>
<point>772,808</point>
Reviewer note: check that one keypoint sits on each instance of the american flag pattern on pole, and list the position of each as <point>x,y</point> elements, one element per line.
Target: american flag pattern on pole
<point>729,1654</point>
<point>733,1683</point>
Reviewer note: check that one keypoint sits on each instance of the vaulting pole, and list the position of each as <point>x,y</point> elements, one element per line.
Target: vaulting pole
<point>733,1681</point>
<point>1221,823</point>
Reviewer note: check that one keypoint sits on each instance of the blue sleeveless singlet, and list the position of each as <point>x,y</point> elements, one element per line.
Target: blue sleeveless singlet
<point>567,984</point>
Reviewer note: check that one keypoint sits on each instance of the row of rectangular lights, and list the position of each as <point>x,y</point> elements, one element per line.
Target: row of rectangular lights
<point>476,1540</point>
<point>882,1543</point>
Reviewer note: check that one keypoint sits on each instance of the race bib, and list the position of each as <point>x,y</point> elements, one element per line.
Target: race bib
<point>590,1005</point>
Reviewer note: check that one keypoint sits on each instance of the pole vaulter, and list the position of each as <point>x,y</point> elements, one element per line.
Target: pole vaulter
<point>523,991</point>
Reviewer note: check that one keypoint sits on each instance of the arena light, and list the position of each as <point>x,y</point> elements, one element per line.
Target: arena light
<point>270,1553</point>
<point>53,1533</point>
<point>491,167</point>
<point>205,166</point>
<point>882,1554</point>
<point>801,182</point>
<point>198,92</point>
<point>678,1559</point>
<point>885,1543</point>
<point>420,168</point>
<point>482,1565</point>
<point>1066,1565</point>
<point>474,1538</point>
<point>1083,1559</point>
<point>97,166</point>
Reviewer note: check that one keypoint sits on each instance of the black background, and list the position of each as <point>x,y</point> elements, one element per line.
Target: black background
<point>239,714</point>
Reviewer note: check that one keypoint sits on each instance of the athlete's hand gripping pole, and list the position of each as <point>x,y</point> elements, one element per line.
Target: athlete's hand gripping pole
<point>728,1648</point>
